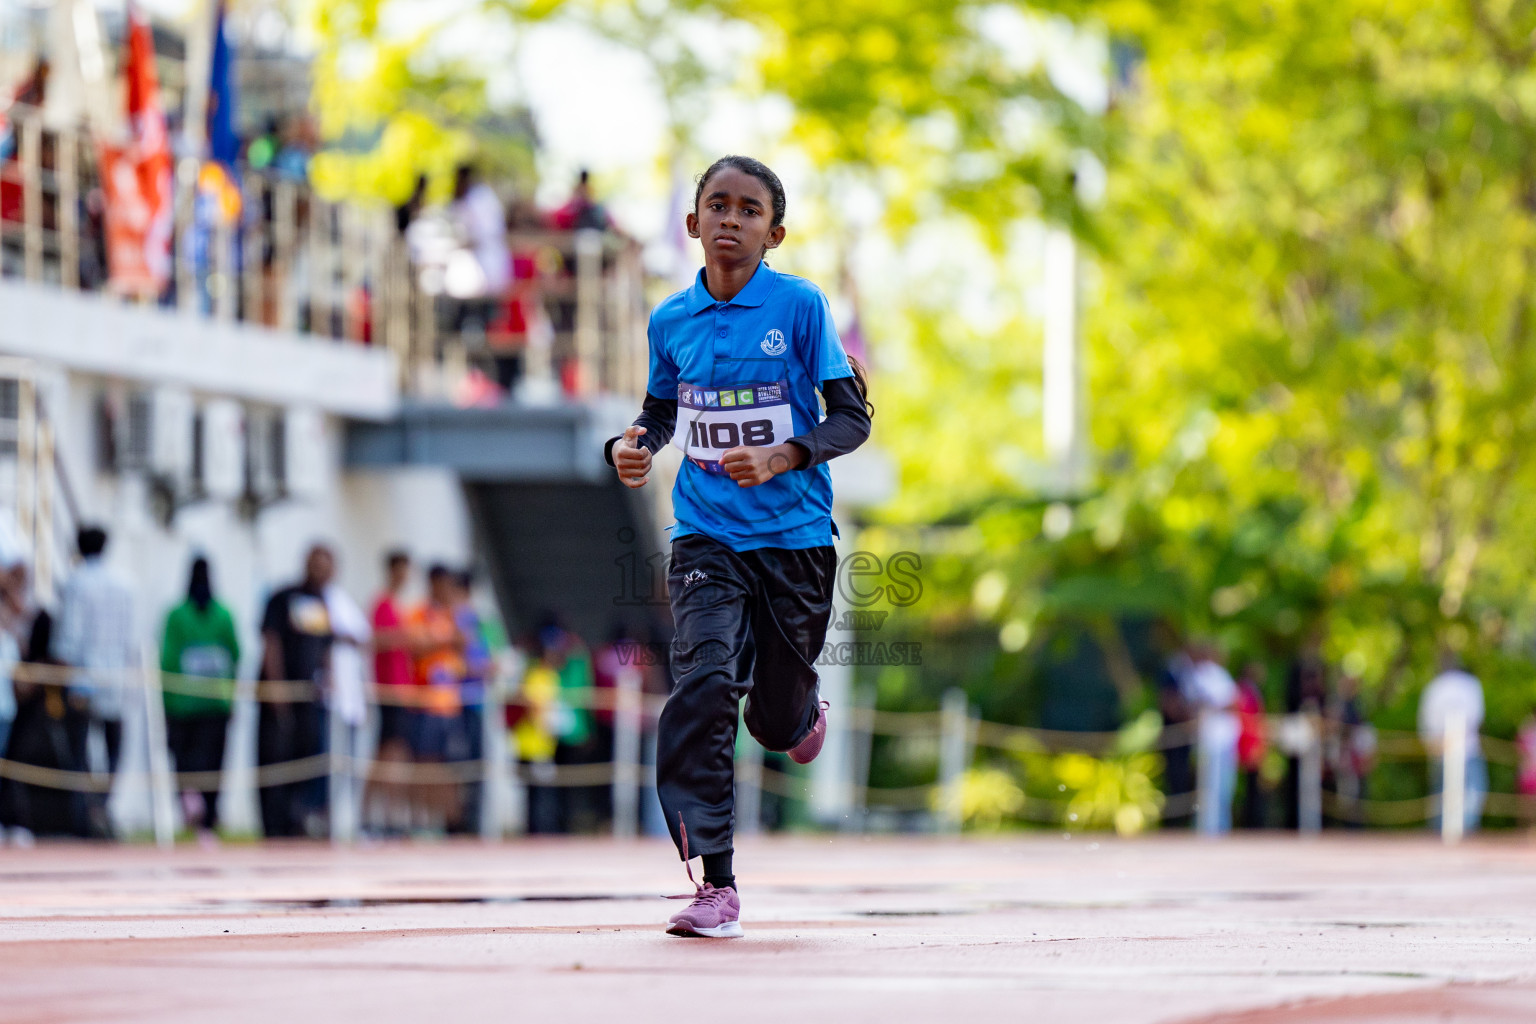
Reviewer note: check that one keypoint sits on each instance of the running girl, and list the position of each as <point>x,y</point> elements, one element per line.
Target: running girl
<point>736,361</point>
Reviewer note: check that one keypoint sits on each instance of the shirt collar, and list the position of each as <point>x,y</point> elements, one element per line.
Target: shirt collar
<point>752,294</point>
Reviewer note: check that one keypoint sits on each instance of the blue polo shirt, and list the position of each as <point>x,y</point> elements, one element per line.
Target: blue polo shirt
<point>779,327</point>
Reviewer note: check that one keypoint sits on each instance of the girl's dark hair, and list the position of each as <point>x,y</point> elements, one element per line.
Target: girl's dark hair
<point>746,165</point>
<point>200,585</point>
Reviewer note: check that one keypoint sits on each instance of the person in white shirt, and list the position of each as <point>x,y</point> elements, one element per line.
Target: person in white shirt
<point>1455,694</point>
<point>13,594</point>
<point>96,638</point>
<point>1212,691</point>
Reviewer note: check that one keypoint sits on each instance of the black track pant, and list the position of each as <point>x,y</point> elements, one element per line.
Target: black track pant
<point>749,623</point>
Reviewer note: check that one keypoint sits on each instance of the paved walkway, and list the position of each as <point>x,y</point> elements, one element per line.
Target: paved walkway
<point>1036,929</point>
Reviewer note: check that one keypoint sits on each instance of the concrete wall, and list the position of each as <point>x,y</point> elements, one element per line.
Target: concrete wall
<point>78,347</point>
<point>360,515</point>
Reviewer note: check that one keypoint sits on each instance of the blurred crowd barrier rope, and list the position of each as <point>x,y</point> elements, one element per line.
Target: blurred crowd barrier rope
<point>959,735</point>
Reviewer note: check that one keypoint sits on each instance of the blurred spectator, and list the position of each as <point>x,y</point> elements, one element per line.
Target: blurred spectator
<point>477,675</point>
<point>198,651</point>
<point>437,735</point>
<point>96,638</point>
<point>296,638</point>
<point>1350,747</point>
<point>1252,745</point>
<point>1525,781</point>
<point>389,798</point>
<point>582,211</point>
<point>535,721</point>
<point>1211,691</point>
<point>624,653</point>
<point>262,150</point>
<point>39,737</point>
<point>407,212</point>
<point>1306,691</point>
<point>478,273</point>
<point>299,140</point>
<point>1455,695</point>
<point>10,656</point>
<point>14,603</point>
<point>522,323</point>
<point>1178,717</point>
<point>565,653</point>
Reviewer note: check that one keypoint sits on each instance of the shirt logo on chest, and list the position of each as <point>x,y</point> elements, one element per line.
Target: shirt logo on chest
<point>773,342</point>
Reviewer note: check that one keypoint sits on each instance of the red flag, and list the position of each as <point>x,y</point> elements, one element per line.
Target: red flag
<point>137,177</point>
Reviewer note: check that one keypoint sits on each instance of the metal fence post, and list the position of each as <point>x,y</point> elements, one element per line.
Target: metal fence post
<point>337,782</point>
<point>1310,798</point>
<point>162,786</point>
<point>861,736</point>
<point>953,734</point>
<point>1453,778</point>
<point>626,753</point>
<point>501,806</point>
<point>749,788</point>
<point>493,804</point>
<point>240,792</point>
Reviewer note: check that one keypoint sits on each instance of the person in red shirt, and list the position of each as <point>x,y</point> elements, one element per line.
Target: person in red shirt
<point>1252,745</point>
<point>393,674</point>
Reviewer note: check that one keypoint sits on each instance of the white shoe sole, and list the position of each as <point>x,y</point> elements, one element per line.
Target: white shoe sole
<point>729,930</point>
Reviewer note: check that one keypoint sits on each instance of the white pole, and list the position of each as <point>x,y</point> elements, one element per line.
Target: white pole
<point>626,754</point>
<point>337,782</point>
<point>162,787</point>
<point>862,738</point>
<point>953,730</point>
<point>1310,799</point>
<point>1205,782</point>
<point>495,769</point>
<point>1453,791</point>
<point>239,796</point>
<point>505,797</point>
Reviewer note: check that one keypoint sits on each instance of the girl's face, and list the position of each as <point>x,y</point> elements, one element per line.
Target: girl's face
<point>734,218</point>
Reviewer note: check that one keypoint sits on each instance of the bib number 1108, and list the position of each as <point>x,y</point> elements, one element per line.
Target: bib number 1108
<point>724,434</point>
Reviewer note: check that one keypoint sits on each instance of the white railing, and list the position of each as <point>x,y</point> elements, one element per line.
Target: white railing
<point>298,263</point>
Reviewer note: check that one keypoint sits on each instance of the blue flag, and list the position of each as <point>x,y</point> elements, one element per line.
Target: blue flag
<point>223,139</point>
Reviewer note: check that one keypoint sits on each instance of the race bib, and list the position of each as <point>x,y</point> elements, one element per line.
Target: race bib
<point>711,421</point>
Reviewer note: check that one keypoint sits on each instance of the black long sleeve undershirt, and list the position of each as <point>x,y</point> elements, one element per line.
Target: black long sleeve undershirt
<point>846,426</point>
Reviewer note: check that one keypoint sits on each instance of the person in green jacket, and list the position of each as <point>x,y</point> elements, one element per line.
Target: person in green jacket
<point>198,658</point>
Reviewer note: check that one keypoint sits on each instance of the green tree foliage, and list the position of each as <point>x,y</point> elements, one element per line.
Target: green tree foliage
<point>947,104</point>
<point>392,106</point>
<point>1317,299</point>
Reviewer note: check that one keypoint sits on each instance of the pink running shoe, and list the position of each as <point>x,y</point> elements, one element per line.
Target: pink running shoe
<point>806,750</point>
<point>713,914</point>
